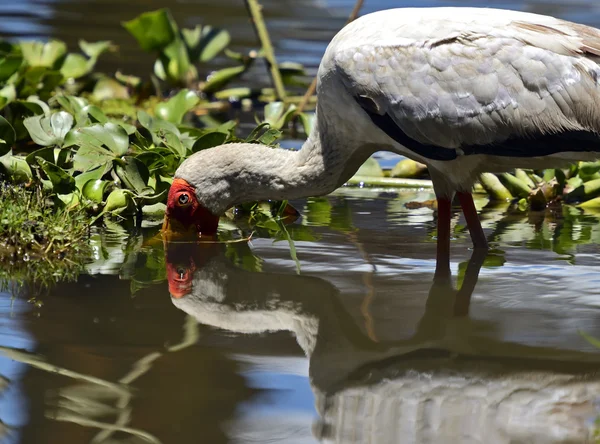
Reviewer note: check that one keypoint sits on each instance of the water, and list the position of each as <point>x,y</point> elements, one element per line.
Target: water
<point>361,346</point>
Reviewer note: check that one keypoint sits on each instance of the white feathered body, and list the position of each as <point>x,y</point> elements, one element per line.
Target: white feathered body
<point>455,77</point>
<point>464,90</point>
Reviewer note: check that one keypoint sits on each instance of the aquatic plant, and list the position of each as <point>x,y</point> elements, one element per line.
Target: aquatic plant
<point>42,240</point>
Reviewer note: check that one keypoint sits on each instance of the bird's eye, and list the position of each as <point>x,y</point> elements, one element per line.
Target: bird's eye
<point>184,199</point>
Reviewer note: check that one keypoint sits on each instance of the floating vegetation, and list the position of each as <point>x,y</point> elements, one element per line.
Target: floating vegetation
<point>41,239</point>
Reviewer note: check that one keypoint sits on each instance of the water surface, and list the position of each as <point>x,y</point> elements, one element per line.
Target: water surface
<point>229,343</point>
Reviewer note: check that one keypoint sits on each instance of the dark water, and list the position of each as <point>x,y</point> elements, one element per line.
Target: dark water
<point>360,346</point>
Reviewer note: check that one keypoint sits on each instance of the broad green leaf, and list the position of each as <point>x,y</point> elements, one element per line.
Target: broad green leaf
<point>16,168</point>
<point>71,104</point>
<point>94,49</point>
<point>40,81</point>
<point>31,103</point>
<point>46,131</point>
<point>119,201</point>
<point>110,135</point>
<point>96,174</point>
<point>46,153</point>
<point>277,115</point>
<point>9,64</point>
<point>129,80</point>
<point>75,66</point>
<point>209,140</point>
<point>191,38</point>
<point>134,174</point>
<point>7,136</point>
<point>7,95</point>
<point>177,106</point>
<point>270,136</point>
<point>163,132</point>
<point>46,55</point>
<point>154,198</point>
<point>153,30</point>
<point>213,41</point>
<point>89,157</point>
<point>96,114</point>
<point>155,211</point>
<point>107,88</point>
<point>70,200</point>
<point>62,182</point>
<point>219,79</point>
<point>176,59</point>
<point>173,142</point>
<point>308,121</point>
<point>95,189</point>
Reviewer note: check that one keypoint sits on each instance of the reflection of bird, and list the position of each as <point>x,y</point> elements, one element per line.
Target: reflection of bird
<point>437,386</point>
<point>463,90</point>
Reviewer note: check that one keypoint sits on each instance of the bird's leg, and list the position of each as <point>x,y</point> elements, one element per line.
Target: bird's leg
<point>473,223</point>
<point>442,266</point>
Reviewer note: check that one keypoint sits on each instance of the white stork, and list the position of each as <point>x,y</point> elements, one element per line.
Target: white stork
<point>463,90</point>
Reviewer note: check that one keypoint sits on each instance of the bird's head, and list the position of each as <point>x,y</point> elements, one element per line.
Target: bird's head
<point>185,215</point>
<point>199,194</point>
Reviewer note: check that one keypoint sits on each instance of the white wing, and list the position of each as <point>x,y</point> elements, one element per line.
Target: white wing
<point>482,78</point>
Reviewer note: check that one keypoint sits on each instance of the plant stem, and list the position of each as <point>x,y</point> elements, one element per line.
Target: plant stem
<point>255,10</point>
<point>313,86</point>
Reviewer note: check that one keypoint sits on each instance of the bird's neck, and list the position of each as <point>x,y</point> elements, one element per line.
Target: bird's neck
<point>278,174</point>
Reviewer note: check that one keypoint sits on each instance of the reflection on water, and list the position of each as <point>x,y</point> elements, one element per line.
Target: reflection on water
<point>226,340</point>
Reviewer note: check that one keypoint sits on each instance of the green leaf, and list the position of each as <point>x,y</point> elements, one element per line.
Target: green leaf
<point>17,168</point>
<point>46,131</point>
<point>46,153</point>
<point>277,115</point>
<point>96,114</point>
<point>62,182</point>
<point>270,137</point>
<point>152,199</point>
<point>118,201</point>
<point>71,104</point>
<point>176,59</point>
<point>94,49</point>
<point>177,106</point>
<point>39,54</point>
<point>110,135</point>
<point>191,38</point>
<point>89,157</point>
<point>95,189</point>
<point>7,95</point>
<point>213,41</point>
<point>7,136</point>
<point>209,140</point>
<point>134,174</point>
<point>219,79</point>
<point>96,174</point>
<point>75,66</point>
<point>9,64</point>
<point>153,30</point>
<point>107,88</point>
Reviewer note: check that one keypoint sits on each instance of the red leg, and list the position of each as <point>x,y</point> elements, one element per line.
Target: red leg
<point>442,266</point>
<point>468,207</point>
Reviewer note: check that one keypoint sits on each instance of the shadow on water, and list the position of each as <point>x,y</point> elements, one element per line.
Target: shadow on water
<point>226,340</point>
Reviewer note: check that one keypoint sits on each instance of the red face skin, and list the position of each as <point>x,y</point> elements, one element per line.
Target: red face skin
<point>180,279</point>
<point>185,217</point>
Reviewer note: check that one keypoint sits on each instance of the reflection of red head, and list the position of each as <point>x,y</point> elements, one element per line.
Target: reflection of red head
<point>180,279</point>
<point>184,213</point>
